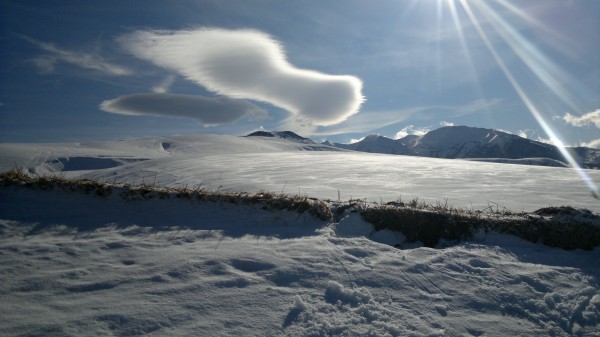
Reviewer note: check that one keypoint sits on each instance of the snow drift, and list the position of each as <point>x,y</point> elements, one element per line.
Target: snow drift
<point>82,264</point>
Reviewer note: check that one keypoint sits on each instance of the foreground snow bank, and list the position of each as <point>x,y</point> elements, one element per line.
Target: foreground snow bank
<point>413,222</point>
<point>78,264</point>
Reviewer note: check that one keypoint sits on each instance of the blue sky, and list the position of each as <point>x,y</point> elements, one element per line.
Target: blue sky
<point>337,70</point>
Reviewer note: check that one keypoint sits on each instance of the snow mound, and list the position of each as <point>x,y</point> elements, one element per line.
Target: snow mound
<point>337,293</point>
<point>353,225</point>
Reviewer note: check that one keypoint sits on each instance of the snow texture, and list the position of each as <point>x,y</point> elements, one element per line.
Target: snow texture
<point>274,164</point>
<point>76,264</point>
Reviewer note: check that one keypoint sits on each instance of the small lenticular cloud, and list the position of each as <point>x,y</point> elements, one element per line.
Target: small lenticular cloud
<point>593,144</point>
<point>586,119</point>
<point>249,64</point>
<point>208,110</point>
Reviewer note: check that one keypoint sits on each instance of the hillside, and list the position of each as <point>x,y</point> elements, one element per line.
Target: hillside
<point>378,144</point>
<point>274,164</point>
<point>462,142</point>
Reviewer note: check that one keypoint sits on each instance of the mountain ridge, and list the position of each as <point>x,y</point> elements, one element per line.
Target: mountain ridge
<point>289,135</point>
<point>464,142</point>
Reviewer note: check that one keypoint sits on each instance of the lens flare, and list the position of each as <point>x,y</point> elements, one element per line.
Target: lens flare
<point>463,44</point>
<point>536,62</point>
<point>547,71</point>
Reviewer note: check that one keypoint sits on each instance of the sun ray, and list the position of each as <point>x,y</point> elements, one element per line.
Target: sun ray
<point>546,70</point>
<point>463,44</point>
<point>530,19</point>
<point>438,47</point>
<point>527,101</point>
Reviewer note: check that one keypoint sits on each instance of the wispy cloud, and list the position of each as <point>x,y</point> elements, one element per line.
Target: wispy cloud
<point>411,130</point>
<point>46,63</point>
<point>249,64</point>
<point>207,110</point>
<point>586,119</point>
<point>476,106</point>
<point>164,85</point>
<point>355,140</point>
<point>547,141</point>
<point>593,143</point>
<point>366,122</point>
<point>533,135</point>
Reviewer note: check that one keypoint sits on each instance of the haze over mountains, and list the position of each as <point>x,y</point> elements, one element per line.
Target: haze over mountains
<point>463,142</point>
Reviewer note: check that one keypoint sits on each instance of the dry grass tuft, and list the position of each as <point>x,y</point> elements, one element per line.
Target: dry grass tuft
<point>128,192</point>
<point>564,227</point>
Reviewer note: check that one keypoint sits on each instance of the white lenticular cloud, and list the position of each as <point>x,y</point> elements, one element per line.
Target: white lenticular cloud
<point>208,110</point>
<point>249,64</point>
<point>588,118</point>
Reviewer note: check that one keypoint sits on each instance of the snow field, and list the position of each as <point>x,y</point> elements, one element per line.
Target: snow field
<point>253,164</point>
<point>76,264</point>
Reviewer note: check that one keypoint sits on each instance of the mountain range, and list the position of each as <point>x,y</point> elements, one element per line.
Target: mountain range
<point>463,142</point>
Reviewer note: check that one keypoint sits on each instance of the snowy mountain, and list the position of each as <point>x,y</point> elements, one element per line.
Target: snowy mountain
<point>464,142</point>
<point>468,142</point>
<point>378,144</point>
<point>291,138</point>
<point>282,135</point>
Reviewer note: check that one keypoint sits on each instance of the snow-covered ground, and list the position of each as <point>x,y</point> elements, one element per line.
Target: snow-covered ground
<point>74,264</point>
<point>81,265</point>
<point>253,164</point>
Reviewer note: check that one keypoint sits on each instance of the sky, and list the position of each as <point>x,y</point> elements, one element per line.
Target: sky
<point>331,70</point>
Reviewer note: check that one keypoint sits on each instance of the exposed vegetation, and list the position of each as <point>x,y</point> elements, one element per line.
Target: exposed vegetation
<point>564,227</point>
<point>130,192</point>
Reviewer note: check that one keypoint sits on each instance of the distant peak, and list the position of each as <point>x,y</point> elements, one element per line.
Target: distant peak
<point>288,134</point>
<point>261,134</point>
<point>280,134</point>
<point>373,136</point>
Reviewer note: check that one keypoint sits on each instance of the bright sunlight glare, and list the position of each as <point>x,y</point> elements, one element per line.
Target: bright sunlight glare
<point>538,63</point>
